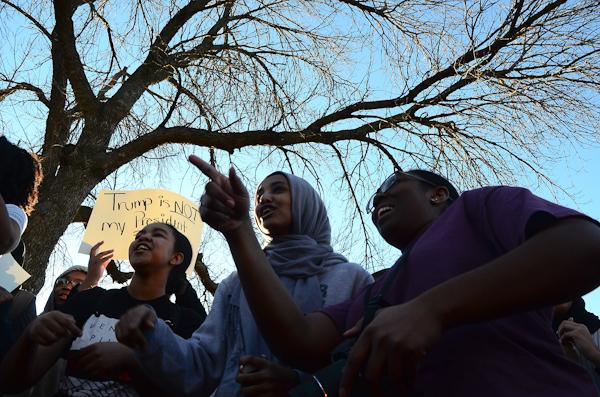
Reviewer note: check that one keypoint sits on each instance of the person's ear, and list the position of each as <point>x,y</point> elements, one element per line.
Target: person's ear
<point>439,195</point>
<point>176,259</point>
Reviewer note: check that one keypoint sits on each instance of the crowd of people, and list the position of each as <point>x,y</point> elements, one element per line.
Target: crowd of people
<point>485,299</point>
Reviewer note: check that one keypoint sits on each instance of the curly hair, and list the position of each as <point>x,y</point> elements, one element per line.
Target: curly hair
<point>20,175</point>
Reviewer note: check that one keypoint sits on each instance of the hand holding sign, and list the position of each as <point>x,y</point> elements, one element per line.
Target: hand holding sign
<point>96,266</point>
<point>225,202</point>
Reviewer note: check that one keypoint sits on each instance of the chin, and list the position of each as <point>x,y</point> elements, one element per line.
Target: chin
<point>390,234</point>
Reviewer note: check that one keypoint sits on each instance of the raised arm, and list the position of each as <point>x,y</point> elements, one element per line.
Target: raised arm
<point>303,341</point>
<point>42,343</point>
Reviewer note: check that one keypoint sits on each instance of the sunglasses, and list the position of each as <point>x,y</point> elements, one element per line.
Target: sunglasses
<point>65,281</point>
<point>391,181</point>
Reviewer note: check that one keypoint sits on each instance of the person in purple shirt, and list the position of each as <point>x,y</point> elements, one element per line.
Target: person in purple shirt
<point>467,309</point>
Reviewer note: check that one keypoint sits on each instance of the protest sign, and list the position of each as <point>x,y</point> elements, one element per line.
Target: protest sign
<point>119,214</point>
<point>11,274</point>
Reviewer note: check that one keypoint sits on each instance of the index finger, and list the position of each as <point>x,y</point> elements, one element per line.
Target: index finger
<point>206,168</point>
<point>95,247</point>
<point>565,326</point>
<point>69,324</point>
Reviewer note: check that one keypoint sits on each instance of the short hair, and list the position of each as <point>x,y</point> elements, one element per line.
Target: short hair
<point>177,274</point>
<point>436,180</point>
<point>20,175</point>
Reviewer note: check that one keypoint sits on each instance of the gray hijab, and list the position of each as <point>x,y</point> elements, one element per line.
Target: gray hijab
<point>298,259</point>
<point>51,304</point>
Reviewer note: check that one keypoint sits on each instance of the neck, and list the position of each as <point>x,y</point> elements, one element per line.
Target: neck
<point>146,287</point>
<point>404,245</point>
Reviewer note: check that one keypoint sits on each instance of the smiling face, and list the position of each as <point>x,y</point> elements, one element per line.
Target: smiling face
<point>153,248</point>
<point>403,211</point>
<point>64,285</point>
<point>273,206</point>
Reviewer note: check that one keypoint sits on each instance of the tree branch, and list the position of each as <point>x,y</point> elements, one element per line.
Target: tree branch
<point>202,271</point>
<point>84,95</point>
<point>30,17</point>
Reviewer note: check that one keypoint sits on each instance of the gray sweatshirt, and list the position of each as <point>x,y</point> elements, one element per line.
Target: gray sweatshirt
<point>209,360</point>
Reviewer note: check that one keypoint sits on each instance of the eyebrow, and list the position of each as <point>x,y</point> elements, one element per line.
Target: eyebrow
<point>272,184</point>
<point>161,228</point>
<point>154,228</point>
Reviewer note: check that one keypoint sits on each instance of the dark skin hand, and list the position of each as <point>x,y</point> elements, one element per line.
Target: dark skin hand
<point>5,295</point>
<point>263,378</point>
<point>52,327</point>
<point>102,361</point>
<point>132,325</point>
<point>579,335</point>
<point>96,266</point>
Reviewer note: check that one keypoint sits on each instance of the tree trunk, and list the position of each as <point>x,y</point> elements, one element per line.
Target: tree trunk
<point>60,197</point>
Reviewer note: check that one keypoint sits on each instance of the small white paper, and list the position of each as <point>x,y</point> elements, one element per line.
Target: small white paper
<point>96,329</point>
<point>11,274</point>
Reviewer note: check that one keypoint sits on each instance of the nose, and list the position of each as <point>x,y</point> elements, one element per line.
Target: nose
<point>143,235</point>
<point>265,197</point>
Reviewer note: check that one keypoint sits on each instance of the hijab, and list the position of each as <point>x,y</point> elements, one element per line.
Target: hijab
<point>51,303</point>
<point>298,259</point>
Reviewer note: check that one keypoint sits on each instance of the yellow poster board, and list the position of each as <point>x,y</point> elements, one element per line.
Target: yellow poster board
<point>119,214</point>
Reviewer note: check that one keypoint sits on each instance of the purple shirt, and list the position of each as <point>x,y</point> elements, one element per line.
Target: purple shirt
<point>518,355</point>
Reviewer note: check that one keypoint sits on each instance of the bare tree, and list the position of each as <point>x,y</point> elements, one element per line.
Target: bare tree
<point>475,88</point>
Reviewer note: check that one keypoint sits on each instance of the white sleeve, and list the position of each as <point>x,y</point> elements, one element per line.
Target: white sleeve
<point>18,215</point>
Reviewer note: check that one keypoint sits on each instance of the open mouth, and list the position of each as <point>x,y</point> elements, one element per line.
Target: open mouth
<point>384,209</point>
<point>142,247</point>
<point>63,295</point>
<point>266,211</point>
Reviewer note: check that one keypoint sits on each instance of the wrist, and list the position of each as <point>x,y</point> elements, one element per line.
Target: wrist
<point>438,308</point>
<point>594,356</point>
<point>240,233</point>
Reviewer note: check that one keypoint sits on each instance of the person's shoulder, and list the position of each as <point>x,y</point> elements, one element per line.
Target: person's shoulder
<point>345,271</point>
<point>493,190</point>
<point>228,283</point>
<point>347,267</point>
<point>495,196</point>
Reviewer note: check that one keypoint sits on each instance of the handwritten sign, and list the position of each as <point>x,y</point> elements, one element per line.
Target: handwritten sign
<point>11,274</point>
<point>119,214</point>
<point>96,329</point>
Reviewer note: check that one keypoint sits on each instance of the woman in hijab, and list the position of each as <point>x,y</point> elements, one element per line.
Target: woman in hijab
<point>294,221</point>
<point>63,285</point>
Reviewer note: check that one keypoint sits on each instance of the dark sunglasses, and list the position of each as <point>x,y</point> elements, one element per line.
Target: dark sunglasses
<point>391,181</point>
<point>65,281</point>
